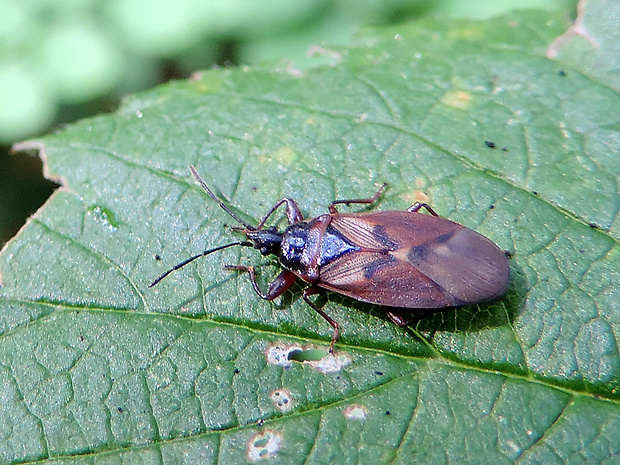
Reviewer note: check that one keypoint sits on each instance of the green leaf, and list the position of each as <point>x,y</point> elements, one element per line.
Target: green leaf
<point>95,366</point>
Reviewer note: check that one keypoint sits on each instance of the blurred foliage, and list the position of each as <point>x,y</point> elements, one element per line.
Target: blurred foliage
<point>65,59</point>
<point>54,53</point>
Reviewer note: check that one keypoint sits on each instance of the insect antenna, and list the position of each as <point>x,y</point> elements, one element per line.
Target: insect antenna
<point>219,202</point>
<point>206,252</point>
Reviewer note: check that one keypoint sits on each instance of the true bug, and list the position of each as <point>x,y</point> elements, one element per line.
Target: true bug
<point>399,259</point>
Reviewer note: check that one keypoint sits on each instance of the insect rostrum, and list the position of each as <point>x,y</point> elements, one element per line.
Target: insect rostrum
<point>400,259</point>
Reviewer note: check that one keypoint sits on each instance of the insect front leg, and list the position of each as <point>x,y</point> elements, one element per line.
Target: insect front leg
<point>373,199</point>
<point>277,287</point>
<point>306,295</point>
<point>293,214</point>
<point>416,206</point>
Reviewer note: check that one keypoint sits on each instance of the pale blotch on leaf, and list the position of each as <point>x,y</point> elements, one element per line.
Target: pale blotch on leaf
<point>355,412</point>
<point>284,355</point>
<point>467,33</point>
<point>421,196</point>
<point>284,156</point>
<point>264,445</point>
<point>278,354</point>
<point>317,50</point>
<point>331,363</point>
<point>416,196</point>
<point>457,99</point>
<point>103,216</point>
<point>282,400</point>
<point>297,73</point>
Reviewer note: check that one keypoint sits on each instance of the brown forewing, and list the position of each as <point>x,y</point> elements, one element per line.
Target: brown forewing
<point>415,261</point>
<point>382,280</point>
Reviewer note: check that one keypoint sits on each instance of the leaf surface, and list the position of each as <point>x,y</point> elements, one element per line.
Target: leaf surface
<point>95,366</point>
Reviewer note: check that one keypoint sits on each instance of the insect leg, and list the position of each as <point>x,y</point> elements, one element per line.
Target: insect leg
<point>306,295</point>
<point>400,320</point>
<point>278,287</point>
<point>397,318</point>
<point>373,199</point>
<point>416,206</point>
<point>293,214</point>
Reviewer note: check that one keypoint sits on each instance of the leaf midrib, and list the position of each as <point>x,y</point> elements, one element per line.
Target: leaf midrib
<point>439,359</point>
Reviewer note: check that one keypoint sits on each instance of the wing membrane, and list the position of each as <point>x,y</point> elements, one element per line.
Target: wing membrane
<point>415,261</point>
<point>384,280</point>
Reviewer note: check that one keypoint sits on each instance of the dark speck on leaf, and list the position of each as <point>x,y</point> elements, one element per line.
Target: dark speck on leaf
<point>491,207</point>
<point>594,225</point>
<point>387,412</point>
<point>157,257</point>
<point>379,373</point>
<point>535,192</point>
<point>490,144</point>
<point>562,73</point>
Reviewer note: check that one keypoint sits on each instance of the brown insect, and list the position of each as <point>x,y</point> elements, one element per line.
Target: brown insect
<point>400,259</point>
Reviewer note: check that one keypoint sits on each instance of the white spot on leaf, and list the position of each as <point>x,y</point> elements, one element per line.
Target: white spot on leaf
<point>355,412</point>
<point>277,354</point>
<point>282,400</point>
<point>332,363</point>
<point>264,445</point>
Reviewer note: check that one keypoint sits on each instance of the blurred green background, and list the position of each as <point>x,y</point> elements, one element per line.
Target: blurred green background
<point>61,60</point>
